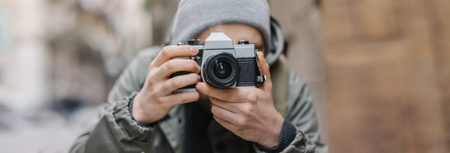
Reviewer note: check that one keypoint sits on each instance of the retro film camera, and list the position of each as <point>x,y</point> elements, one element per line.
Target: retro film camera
<point>223,64</point>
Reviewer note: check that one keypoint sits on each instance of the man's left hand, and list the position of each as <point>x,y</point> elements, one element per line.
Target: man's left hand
<point>247,112</point>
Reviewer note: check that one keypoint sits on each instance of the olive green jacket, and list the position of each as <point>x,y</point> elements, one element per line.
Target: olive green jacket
<point>116,131</point>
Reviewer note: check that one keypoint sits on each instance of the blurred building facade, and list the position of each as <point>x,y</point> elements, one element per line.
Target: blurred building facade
<point>53,50</point>
<point>57,55</point>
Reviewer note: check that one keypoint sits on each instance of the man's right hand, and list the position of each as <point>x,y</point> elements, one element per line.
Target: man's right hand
<point>156,98</point>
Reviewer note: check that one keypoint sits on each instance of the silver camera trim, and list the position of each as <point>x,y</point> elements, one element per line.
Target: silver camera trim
<point>216,43</point>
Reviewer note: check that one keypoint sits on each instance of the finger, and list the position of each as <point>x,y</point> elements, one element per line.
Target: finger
<point>181,98</point>
<point>230,106</point>
<point>170,52</point>
<point>225,114</point>
<point>230,94</point>
<point>225,123</point>
<point>265,70</point>
<point>176,65</point>
<point>179,81</point>
<point>263,64</point>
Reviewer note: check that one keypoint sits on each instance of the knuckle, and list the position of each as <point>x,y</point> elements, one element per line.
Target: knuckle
<point>159,87</point>
<point>213,100</point>
<point>214,110</point>
<point>196,96</point>
<point>151,78</point>
<point>247,110</point>
<point>164,51</point>
<point>185,97</point>
<point>194,78</point>
<point>206,90</point>
<point>185,48</point>
<point>165,86</point>
<point>159,100</point>
<point>170,65</point>
<point>251,97</point>
<point>151,66</point>
<point>268,83</point>
<point>187,79</point>
<point>242,122</point>
<point>174,83</point>
<point>217,111</point>
<point>193,65</point>
<point>190,97</point>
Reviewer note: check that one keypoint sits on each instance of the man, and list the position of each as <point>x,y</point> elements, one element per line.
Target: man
<point>144,114</point>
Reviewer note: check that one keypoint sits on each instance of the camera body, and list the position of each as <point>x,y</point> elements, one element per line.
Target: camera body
<point>224,65</point>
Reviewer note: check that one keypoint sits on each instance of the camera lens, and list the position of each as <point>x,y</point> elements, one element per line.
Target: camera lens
<point>221,70</point>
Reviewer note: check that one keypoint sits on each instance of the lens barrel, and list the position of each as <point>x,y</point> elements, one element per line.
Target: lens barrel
<point>221,70</point>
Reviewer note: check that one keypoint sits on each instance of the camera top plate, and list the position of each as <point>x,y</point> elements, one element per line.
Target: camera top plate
<point>218,40</point>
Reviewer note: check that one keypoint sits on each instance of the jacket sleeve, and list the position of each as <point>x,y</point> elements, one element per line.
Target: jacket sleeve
<point>116,130</point>
<point>301,113</point>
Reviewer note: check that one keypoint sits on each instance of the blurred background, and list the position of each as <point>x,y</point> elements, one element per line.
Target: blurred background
<point>378,70</point>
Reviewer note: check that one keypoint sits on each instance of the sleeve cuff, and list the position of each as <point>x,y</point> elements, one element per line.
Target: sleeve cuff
<point>287,135</point>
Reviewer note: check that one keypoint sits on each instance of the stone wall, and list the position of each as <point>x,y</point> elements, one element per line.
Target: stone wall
<point>387,64</point>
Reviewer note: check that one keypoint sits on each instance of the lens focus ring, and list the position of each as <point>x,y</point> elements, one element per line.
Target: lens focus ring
<point>221,70</point>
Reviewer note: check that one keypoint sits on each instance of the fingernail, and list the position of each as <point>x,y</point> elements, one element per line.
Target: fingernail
<point>193,49</point>
<point>198,68</point>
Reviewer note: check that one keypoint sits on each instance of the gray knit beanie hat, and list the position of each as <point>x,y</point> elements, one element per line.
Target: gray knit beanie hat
<point>194,16</point>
